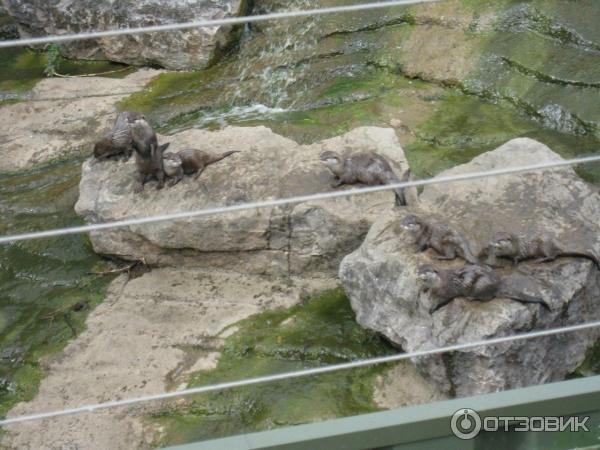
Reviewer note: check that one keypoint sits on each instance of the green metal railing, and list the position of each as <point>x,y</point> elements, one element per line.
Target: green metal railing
<point>428,426</point>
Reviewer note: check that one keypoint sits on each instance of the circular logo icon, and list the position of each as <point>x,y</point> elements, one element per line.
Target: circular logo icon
<point>465,423</point>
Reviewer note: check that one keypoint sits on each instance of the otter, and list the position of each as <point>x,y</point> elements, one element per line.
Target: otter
<point>473,281</point>
<point>447,242</point>
<point>189,161</point>
<point>117,141</point>
<point>541,246</point>
<point>148,154</point>
<point>368,168</point>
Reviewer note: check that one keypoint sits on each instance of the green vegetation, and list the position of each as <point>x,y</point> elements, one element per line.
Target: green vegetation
<point>53,60</point>
<point>321,330</point>
<point>22,68</point>
<point>47,288</point>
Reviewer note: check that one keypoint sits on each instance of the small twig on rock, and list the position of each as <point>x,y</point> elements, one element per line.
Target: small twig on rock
<point>120,269</point>
<point>56,74</point>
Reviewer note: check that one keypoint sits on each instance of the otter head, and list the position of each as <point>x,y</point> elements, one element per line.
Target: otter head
<point>332,160</point>
<point>428,275</point>
<point>141,129</point>
<point>411,223</point>
<point>132,116</point>
<point>503,244</point>
<point>171,163</point>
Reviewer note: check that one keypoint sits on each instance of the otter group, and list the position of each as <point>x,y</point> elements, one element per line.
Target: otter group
<point>478,280</point>
<point>132,133</point>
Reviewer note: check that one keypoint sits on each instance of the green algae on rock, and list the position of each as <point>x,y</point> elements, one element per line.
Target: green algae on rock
<point>463,127</point>
<point>540,56</point>
<point>47,290</point>
<point>22,68</point>
<point>320,331</point>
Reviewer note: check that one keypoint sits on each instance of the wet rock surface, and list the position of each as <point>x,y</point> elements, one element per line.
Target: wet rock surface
<point>185,49</point>
<point>134,341</point>
<point>63,118</point>
<point>380,277</point>
<point>8,28</point>
<point>311,236</point>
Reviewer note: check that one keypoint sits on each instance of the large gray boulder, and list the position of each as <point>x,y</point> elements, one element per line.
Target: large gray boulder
<point>8,28</point>
<point>283,240</point>
<point>380,277</point>
<point>184,49</point>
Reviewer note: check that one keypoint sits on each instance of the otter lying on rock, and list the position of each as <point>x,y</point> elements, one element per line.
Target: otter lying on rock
<point>189,161</point>
<point>368,168</point>
<point>474,282</point>
<point>118,141</point>
<point>541,246</point>
<point>447,242</point>
<point>148,154</point>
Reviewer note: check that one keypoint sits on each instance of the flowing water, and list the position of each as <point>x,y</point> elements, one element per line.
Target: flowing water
<point>47,285</point>
<point>47,288</point>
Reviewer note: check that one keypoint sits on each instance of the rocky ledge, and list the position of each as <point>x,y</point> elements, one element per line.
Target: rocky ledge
<point>62,118</point>
<point>183,49</point>
<point>312,236</point>
<point>380,277</point>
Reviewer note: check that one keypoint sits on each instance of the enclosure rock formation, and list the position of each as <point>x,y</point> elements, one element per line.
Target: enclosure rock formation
<point>8,29</point>
<point>134,344</point>
<point>63,119</point>
<point>380,277</point>
<point>283,240</point>
<point>184,49</point>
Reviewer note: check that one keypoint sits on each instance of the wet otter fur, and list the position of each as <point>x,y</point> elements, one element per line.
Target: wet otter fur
<point>366,167</point>
<point>148,154</point>
<point>117,141</point>
<point>472,281</point>
<point>190,161</point>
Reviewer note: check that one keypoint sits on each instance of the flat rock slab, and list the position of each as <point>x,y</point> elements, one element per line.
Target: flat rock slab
<point>380,277</point>
<point>62,118</point>
<point>134,341</point>
<point>284,240</point>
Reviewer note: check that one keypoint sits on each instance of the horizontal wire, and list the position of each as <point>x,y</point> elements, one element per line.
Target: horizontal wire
<point>300,373</point>
<point>271,203</point>
<point>207,23</point>
<point>291,200</point>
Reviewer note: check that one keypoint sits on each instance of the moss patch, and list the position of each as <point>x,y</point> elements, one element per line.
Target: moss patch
<point>22,68</point>
<point>320,331</point>
<point>47,290</point>
<point>464,127</point>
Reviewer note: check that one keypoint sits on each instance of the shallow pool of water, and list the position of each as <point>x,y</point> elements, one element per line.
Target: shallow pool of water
<point>47,285</point>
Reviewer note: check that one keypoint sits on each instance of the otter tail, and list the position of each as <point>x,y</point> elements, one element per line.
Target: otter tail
<point>221,156</point>
<point>583,255</point>
<point>524,298</point>
<point>400,197</point>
